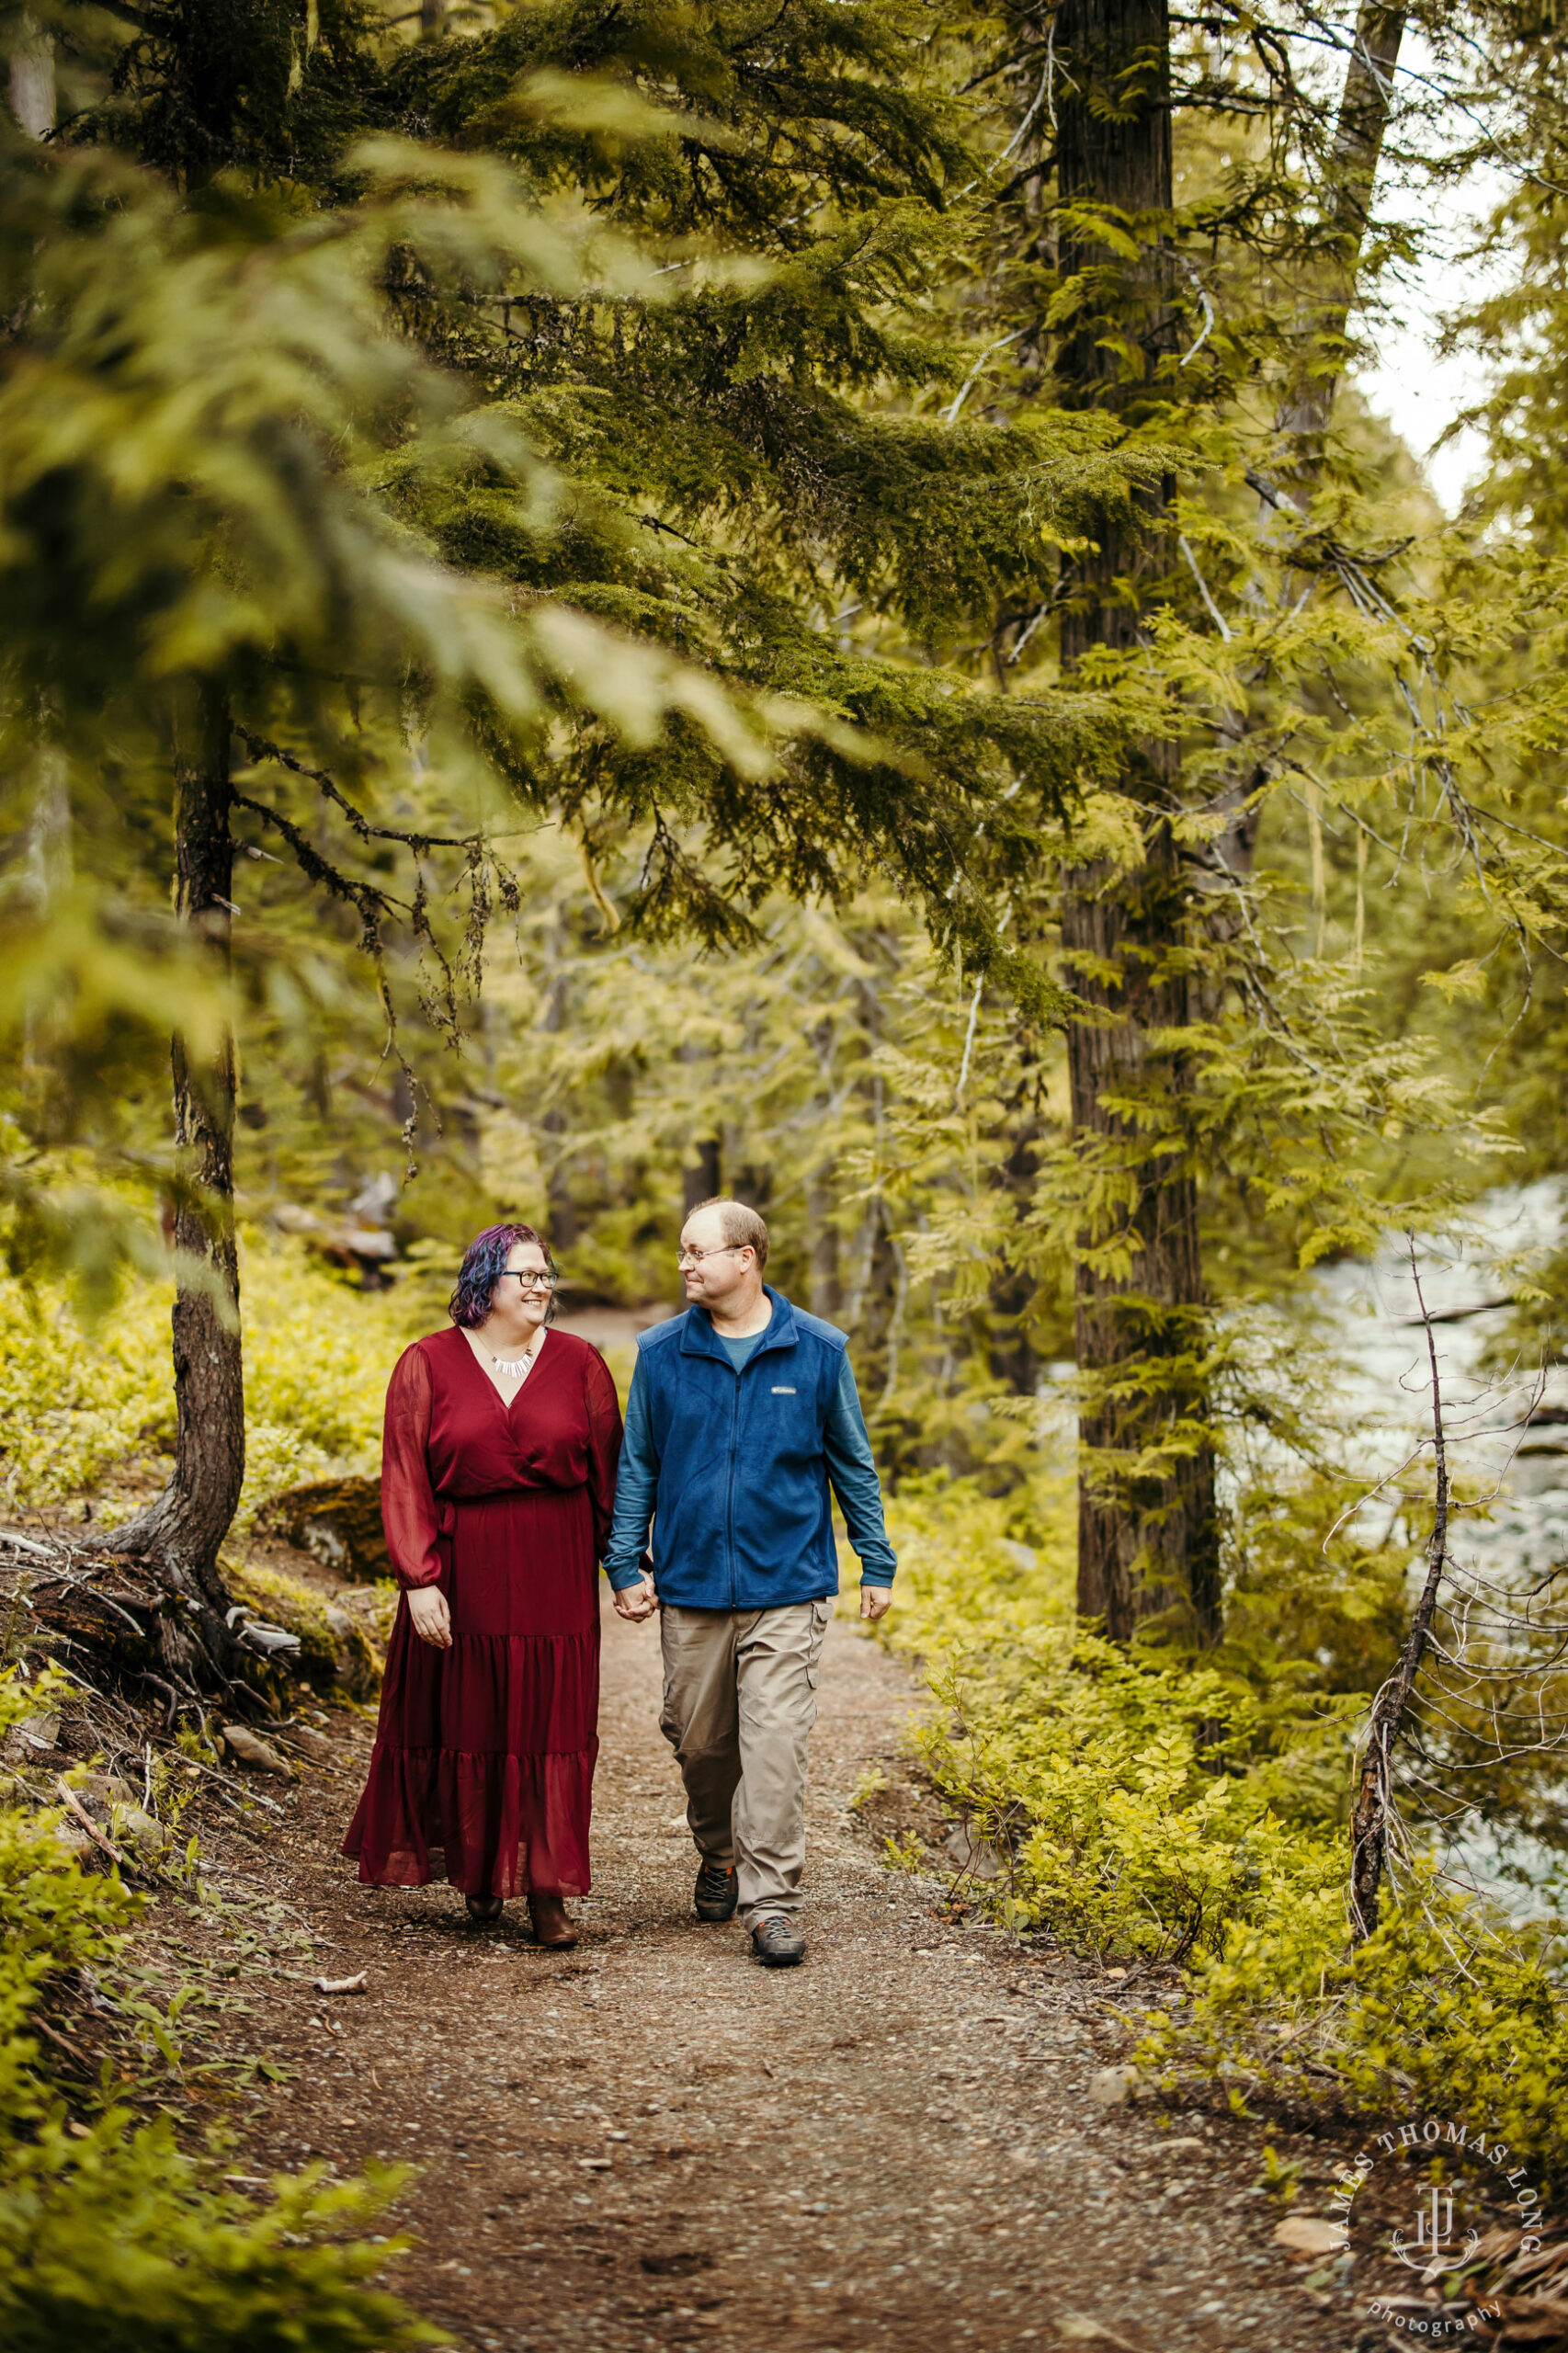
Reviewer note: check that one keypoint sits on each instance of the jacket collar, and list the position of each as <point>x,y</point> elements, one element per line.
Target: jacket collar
<point>699,1339</point>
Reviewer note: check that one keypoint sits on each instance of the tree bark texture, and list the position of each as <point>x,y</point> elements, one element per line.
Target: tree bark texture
<point>183,1529</point>
<point>1147,1533</point>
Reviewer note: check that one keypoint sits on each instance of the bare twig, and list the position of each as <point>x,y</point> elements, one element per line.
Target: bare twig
<point>1369,1826</point>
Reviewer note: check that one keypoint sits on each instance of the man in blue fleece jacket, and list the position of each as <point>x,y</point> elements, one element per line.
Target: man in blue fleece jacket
<point>742,1422</point>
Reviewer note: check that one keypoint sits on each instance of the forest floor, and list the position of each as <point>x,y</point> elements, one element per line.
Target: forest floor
<point>653,2142</point>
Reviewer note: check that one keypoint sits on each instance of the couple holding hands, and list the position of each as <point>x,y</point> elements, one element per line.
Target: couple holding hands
<point>506,1479</point>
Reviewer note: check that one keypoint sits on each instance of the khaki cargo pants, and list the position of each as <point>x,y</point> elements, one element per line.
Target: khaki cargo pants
<point>740,1697</point>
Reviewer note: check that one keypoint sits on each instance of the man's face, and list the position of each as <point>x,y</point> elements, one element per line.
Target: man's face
<point>716,1271</point>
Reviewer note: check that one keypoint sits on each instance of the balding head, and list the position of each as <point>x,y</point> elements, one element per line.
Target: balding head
<point>725,1223</point>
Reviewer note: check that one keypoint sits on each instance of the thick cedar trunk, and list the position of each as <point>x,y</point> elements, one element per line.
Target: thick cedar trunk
<point>1146,1542</point>
<point>183,1531</point>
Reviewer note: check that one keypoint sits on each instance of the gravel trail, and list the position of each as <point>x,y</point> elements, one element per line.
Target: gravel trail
<point>653,2142</point>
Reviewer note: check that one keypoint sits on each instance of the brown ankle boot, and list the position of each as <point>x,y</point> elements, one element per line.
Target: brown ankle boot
<point>484,1907</point>
<point>552,1928</point>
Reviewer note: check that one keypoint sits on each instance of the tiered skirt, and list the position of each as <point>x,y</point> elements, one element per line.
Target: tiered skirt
<point>484,1763</point>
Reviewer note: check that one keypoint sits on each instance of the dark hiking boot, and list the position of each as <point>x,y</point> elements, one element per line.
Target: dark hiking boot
<point>484,1907</point>
<point>776,1942</point>
<point>551,1927</point>
<point>716,1891</point>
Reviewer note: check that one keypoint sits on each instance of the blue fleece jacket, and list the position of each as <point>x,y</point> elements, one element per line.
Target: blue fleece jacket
<point>733,1451</point>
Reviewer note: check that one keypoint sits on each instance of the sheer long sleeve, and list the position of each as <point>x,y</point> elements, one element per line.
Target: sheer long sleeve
<point>408,1500</point>
<point>636,1488</point>
<point>604,1446</point>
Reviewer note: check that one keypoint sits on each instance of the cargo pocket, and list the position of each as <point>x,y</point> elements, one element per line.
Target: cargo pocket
<point>820,1612</point>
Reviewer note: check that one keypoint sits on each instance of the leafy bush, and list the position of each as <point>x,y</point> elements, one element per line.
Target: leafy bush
<point>1129,1797</point>
<point>1146,1805</point>
<point>72,1406</point>
<point>78,1404</point>
<point>1445,2011</point>
<point>112,2236</point>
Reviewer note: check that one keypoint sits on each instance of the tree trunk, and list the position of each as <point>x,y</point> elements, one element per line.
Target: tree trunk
<point>824,1285</point>
<point>1366,103</point>
<point>1365,106</point>
<point>1147,1528</point>
<point>700,1177</point>
<point>182,1531</point>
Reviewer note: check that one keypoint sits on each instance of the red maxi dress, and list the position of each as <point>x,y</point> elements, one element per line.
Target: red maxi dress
<point>484,1763</point>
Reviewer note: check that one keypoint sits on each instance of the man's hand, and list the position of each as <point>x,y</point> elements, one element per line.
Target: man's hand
<point>636,1601</point>
<point>876,1600</point>
<point>432,1619</point>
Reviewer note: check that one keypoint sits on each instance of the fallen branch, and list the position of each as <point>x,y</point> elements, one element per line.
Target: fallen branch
<point>74,1805</point>
<point>1369,1826</point>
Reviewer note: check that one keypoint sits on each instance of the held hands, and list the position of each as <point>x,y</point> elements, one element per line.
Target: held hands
<point>876,1600</point>
<point>637,1601</point>
<point>432,1619</point>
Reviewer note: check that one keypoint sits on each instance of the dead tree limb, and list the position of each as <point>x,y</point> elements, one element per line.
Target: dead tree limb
<point>1369,1825</point>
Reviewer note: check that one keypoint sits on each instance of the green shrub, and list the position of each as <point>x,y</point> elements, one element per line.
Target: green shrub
<point>1445,2011</point>
<point>1147,1805</point>
<point>76,1405</point>
<point>112,2236</point>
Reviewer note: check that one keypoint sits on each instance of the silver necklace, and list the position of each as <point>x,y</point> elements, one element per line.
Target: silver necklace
<point>517,1371</point>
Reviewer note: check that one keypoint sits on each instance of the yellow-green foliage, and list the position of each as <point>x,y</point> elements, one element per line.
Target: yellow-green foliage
<point>52,1916</point>
<point>73,1404</point>
<point>1080,1763</point>
<point>1445,2011</point>
<point>111,2236</point>
<point>974,1569</point>
<point>77,1405</point>
<point>1144,1804</point>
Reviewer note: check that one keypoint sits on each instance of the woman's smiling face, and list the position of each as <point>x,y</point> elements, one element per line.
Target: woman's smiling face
<point>523,1290</point>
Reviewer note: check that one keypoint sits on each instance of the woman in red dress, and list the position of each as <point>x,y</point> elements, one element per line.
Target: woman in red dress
<point>497,1488</point>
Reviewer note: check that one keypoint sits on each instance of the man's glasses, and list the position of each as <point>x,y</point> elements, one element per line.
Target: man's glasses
<point>685,1259</point>
<point>528,1281</point>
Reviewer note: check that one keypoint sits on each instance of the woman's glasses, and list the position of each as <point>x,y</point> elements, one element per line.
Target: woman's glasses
<point>529,1283</point>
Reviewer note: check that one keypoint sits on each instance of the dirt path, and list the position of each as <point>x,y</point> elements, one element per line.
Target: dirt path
<point>653,2141</point>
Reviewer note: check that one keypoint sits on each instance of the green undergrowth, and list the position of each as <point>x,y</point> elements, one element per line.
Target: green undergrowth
<point>1150,1807</point>
<point>82,1405</point>
<point>112,2235</point>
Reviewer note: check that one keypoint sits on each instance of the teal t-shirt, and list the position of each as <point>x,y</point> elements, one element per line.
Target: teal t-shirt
<point>741,1352</point>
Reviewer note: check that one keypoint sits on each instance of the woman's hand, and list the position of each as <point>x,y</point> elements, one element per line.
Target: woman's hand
<point>432,1619</point>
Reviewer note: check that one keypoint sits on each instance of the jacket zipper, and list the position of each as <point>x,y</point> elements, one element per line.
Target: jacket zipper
<point>730,1497</point>
<point>734,1442</point>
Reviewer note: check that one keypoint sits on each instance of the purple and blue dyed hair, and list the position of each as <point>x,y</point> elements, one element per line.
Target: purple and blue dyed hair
<point>484,1263</point>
